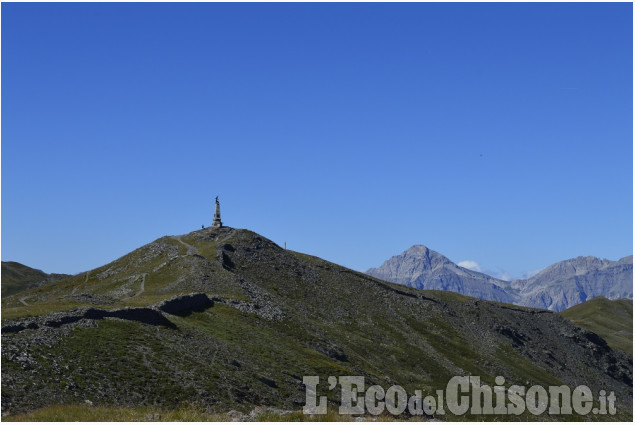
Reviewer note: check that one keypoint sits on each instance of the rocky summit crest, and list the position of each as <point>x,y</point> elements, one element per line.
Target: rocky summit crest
<point>422,268</point>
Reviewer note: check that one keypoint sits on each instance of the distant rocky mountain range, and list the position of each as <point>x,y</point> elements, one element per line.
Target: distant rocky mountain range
<point>558,287</point>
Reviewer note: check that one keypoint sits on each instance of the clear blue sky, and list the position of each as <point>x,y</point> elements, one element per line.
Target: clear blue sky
<point>496,133</point>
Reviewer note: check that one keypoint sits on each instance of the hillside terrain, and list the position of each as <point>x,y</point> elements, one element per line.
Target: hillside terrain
<point>17,277</point>
<point>225,319</point>
<point>610,319</point>
<point>557,287</point>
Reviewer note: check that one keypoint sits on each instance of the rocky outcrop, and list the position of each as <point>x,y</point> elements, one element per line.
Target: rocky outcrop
<point>266,309</point>
<point>145,315</point>
<point>184,305</point>
<point>180,305</point>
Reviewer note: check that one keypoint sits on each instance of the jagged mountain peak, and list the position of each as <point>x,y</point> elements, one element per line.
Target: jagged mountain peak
<point>422,268</point>
<point>412,262</point>
<point>418,249</point>
<point>428,255</point>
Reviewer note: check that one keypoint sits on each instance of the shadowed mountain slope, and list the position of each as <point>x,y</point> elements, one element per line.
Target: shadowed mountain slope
<point>260,319</point>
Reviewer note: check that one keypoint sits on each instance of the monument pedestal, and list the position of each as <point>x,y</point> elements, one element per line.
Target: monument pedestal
<point>217,221</point>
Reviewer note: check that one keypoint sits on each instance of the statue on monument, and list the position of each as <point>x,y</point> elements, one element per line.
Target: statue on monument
<point>217,222</point>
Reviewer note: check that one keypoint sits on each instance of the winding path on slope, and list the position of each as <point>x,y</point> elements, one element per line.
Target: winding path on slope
<point>191,250</point>
<point>143,288</point>
<point>77,287</point>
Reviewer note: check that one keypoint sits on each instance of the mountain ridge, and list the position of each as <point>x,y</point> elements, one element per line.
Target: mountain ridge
<point>17,277</point>
<point>556,287</point>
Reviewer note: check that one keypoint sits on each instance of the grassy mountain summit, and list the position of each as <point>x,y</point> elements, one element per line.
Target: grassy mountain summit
<point>611,319</point>
<point>258,319</point>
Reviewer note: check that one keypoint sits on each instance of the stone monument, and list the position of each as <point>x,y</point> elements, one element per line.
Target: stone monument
<point>217,222</point>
